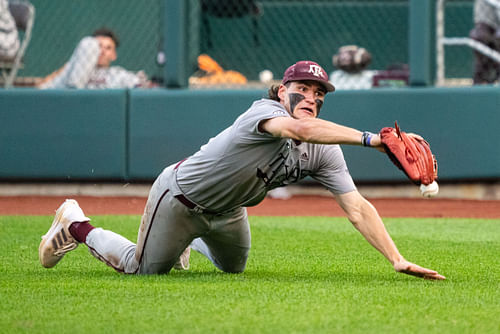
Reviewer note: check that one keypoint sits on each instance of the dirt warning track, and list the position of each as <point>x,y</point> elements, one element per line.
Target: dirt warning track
<point>300,205</point>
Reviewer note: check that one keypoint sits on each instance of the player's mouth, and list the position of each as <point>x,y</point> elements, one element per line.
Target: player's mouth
<point>308,110</point>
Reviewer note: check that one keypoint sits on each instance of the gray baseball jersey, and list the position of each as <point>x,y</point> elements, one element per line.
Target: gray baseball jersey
<point>238,166</point>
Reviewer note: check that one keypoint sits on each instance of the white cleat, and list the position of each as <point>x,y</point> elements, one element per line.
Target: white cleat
<point>58,241</point>
<point>183,261</point>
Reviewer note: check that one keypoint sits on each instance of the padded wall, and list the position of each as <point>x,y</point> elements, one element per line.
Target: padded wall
<point>133,135</point>
<point>460,124</point>
<point>63,134</point>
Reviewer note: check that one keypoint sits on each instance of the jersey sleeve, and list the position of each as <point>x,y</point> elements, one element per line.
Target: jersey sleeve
<point>79,68</point>
<point>82,63</point>
<point>332,170</point>
<point>248,124</point>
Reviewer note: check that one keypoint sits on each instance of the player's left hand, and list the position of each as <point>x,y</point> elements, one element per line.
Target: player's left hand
<point>409,268</point>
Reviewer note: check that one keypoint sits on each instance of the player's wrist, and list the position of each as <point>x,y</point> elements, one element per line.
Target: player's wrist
<point>366,138</point>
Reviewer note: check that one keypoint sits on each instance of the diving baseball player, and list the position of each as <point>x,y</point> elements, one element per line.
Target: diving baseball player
<point>200,203</point>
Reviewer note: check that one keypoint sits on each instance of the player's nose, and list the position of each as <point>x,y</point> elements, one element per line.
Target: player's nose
<point>309,97</point>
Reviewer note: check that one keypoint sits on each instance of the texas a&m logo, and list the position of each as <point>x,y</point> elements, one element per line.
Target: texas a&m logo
<point>316,70</point>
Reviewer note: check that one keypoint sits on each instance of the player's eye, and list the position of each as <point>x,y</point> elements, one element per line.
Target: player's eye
<point>320,93</point>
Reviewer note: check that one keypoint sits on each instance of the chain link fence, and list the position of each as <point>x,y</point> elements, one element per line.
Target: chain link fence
<point>249,43</point>
<point>61,25</point>
<point>259,39</point>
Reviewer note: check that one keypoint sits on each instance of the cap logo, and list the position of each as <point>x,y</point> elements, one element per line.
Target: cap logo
<point>316,71</point>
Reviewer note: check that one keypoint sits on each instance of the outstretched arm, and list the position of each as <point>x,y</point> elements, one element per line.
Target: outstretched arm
<point>82,63</point>
<point>315,130</point>
<point>76,72</point>
<point>367,221</point>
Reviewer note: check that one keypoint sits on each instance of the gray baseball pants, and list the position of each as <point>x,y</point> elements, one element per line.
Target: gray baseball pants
<point>167,228</point>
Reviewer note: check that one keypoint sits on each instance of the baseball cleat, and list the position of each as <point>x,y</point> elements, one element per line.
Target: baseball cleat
<point>183,261</point>
<point>58,240</point>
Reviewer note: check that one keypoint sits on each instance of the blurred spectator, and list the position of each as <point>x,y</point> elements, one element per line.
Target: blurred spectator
<point>9,38</point>
<point>90,66</point>
<point>351,62</point>
<point>487,31</point>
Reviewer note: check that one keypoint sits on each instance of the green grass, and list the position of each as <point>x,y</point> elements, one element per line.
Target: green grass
<point>304,275</point>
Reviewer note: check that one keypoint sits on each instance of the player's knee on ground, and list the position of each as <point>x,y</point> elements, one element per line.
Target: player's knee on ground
<point>232,264</point>
<point>233,269</point>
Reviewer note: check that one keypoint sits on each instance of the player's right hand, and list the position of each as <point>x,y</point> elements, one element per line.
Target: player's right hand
<point>409,268</point>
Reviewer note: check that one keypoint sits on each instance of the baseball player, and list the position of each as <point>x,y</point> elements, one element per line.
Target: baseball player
<point>90,66</point>
<point>199,203</point>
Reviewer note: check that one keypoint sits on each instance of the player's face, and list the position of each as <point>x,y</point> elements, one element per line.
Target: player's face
<point>108,51</point>
<point>303,98</point>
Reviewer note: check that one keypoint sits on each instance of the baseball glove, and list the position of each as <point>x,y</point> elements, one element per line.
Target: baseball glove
<point>411,154</point>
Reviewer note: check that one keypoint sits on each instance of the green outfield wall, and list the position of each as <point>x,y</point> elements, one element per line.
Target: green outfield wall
<point>63,135</point>
<point>131,135</point>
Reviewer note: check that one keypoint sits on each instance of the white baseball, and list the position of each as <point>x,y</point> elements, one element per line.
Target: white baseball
<point>265,76</point>
<point>430,190</point>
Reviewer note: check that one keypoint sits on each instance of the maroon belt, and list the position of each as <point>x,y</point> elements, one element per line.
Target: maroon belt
<point>181,198</point>
<point>190,205</point>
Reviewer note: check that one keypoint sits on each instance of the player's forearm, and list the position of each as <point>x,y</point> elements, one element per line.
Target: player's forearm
<point>370,225</point>
<point>324,132</point>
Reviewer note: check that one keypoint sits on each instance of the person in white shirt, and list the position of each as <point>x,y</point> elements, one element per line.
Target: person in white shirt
<point>90,66</point>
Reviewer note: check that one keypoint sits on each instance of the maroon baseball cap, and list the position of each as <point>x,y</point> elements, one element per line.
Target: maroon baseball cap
<point>307,70</point>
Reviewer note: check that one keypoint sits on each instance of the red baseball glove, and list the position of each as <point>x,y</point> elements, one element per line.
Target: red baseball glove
<point>410,153</point>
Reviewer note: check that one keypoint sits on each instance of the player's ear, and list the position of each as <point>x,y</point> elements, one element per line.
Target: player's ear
<point>282,93</point>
